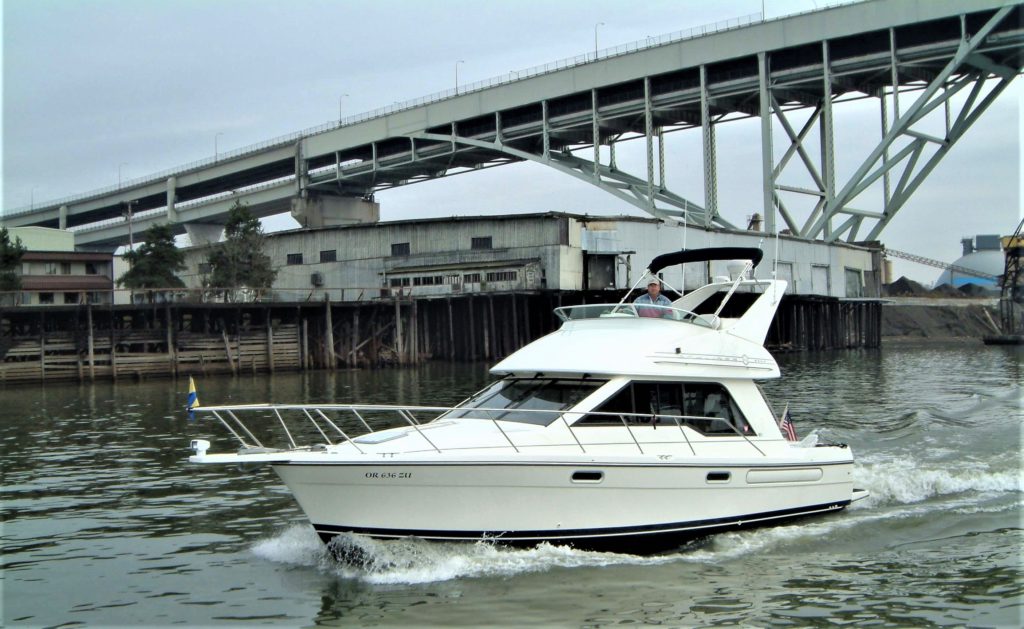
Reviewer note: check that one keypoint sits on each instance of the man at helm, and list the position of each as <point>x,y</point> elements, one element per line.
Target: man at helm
<point>653,296</point>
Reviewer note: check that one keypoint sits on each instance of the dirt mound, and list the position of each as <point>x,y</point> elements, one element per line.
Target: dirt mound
<point>974,290</point>
<point>945,290</point>
<point>937,322</point>
<point>904,287</point>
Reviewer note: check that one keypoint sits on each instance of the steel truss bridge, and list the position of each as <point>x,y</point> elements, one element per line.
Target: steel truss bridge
<point>918,58</point>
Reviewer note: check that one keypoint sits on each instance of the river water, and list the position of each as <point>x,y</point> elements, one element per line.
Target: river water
<point>105,523</point>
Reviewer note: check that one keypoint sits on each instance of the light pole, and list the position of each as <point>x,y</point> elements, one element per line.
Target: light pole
<point>595,38</point>
<point>215,151</point>
<point>340,100</point>
<point>457,75</point>
<point>119,174</point>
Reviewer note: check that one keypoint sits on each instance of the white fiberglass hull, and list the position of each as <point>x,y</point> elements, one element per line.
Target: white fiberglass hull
<point>629,506</point>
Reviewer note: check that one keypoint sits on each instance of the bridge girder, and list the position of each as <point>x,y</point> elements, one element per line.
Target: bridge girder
<point>577,132</point>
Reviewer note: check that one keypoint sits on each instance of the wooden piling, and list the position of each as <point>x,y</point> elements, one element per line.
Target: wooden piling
<point>270,345</point>
<point>329,336</point>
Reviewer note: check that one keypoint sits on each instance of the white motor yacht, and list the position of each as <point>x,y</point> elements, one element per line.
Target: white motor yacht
<point>630,428</point>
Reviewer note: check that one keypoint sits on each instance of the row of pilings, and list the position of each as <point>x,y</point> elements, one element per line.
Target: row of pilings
<point>90,342</point>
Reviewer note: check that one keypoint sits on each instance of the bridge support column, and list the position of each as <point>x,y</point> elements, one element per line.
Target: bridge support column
<point>172,214</point>
<point>62,221</point>
<point>203,233</point>
<point>767,158</point>
<point>326,211</point>
<point>710,160</point>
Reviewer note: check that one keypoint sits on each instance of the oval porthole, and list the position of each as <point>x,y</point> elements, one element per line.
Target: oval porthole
<point>719,477</point>
<point>587,476</point>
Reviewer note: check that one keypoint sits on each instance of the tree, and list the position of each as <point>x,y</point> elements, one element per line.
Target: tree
<point>10,261</point>
<point>239,261</point>
<point>156,263</point>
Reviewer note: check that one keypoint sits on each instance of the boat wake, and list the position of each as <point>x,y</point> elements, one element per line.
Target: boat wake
<point>411,561</point>
<point>906,481</point>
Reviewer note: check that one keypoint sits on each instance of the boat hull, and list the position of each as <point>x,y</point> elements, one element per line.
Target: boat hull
<point>620,507</point>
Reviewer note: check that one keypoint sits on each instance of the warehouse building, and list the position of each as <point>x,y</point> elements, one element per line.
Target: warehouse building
<point>531,252</point>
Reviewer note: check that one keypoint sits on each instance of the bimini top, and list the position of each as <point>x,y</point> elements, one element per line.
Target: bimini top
<point>703,255</point>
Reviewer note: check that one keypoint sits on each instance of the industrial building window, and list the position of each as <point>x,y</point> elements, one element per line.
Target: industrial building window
<point>400,249</point>
<point>399,281</point>
<point>331,255</point>
<point>502,276</point>
<point>481,242</point>
<point>428,280</point>
<point>46,298</point>
<point>65,268</point>
<point>51,269</point>
<point>90,268</point>
<point>294,258</point>
<point>854,288</point>
<point>452,280</point>
<point>471,278</point>
<point>71,298</point>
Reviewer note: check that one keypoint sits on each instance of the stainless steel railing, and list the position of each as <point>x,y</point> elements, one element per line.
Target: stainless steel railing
<point>322,430</point>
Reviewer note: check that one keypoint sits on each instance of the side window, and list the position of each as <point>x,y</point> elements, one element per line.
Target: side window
<point>704,406</point>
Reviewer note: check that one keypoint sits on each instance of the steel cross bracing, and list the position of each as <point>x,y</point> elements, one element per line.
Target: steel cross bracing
<point>917,153</point>
<point>933,75</point>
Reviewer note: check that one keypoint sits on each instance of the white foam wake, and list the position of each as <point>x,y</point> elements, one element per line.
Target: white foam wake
<point>906,481</point>
<point>409,561</point>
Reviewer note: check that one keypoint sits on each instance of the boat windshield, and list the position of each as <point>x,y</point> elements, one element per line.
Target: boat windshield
<point>528,400</point>
<point>630,311</point>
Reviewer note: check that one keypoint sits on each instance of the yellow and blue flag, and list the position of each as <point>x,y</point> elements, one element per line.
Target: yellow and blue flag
<point>193,398</point>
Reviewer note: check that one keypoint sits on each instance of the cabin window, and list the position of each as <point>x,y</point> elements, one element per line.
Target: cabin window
<point>705,407</point>
<point>526,400</point>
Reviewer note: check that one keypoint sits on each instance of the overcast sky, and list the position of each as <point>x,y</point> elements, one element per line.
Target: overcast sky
<point>97,89</point>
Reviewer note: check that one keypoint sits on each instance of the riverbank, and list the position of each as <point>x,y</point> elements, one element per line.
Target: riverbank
<point>938,319</point>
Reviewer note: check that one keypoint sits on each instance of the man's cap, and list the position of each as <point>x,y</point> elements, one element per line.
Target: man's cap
<point>653,280</point>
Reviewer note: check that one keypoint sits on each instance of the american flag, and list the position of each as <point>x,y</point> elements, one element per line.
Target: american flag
<point>786,425</point>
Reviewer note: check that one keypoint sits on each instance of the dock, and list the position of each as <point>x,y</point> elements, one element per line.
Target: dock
<point>112,342</point>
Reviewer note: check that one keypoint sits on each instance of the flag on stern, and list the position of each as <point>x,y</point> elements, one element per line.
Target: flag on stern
<point>786,425</point>
<point>193,398</point>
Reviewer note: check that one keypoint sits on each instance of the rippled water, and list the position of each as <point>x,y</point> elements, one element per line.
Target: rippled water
<point>105,523</point>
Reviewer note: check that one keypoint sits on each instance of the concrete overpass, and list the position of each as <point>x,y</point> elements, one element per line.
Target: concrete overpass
<point>914,56</point>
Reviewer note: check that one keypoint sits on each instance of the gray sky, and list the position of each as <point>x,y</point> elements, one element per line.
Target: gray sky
<point>94,87</point>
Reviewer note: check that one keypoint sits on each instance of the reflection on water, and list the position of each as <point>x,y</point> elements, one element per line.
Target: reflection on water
<point>105,523</point>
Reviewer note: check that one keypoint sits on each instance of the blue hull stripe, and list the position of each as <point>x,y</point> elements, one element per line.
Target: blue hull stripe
<point>699,527</point>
